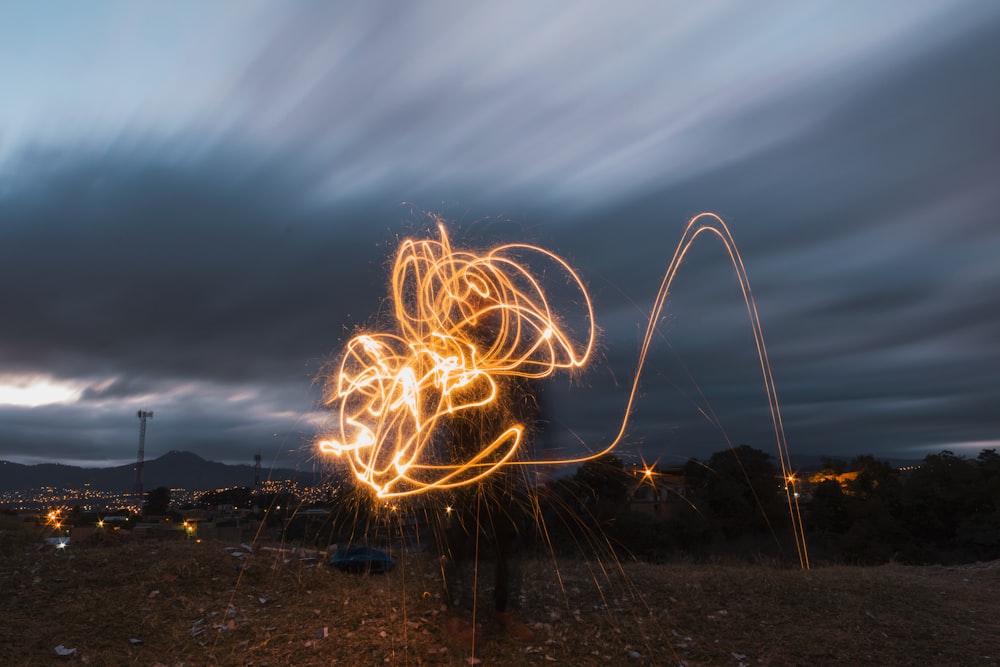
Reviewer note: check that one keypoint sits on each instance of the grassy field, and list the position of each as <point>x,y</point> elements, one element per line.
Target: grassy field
<point>185,603</point>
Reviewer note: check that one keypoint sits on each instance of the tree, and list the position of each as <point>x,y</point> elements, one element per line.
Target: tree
<point>605,479</point>
<point>237,497</point>
<point>940,495</point>
<point>157,501</point>
<point>875,478</point>
<point>828,509</point>
<point>832,466</point>
<point>738,489</point>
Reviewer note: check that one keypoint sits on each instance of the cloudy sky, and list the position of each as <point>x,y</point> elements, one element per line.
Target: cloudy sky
<point>198,204</point>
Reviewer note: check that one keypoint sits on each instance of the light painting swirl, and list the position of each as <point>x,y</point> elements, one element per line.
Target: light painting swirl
<point>466,324</point>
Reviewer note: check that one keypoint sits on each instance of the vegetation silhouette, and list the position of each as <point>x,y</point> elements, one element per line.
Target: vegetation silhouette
<point>864,511</point>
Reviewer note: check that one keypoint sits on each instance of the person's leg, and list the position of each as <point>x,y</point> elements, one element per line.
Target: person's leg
<point>457,561</point>
<point>506,537</point>
<point>459,551</point>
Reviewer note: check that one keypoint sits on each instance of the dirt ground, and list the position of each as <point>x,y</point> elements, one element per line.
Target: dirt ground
<point>167,604</point>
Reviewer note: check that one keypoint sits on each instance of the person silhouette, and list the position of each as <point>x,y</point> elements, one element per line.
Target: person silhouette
<point>491,516</point>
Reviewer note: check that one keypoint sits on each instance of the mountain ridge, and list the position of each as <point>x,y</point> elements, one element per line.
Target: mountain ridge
<point>175,469</point>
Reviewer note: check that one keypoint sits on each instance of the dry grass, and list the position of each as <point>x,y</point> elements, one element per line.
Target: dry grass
<point>181,603</point>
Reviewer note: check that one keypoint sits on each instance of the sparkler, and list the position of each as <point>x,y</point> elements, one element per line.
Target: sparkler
<point>466,324</point>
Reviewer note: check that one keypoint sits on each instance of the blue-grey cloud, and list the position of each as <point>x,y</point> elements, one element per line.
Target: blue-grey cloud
<point>199,218</point>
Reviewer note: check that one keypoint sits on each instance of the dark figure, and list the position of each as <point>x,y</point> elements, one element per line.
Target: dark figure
<point>491,517</point>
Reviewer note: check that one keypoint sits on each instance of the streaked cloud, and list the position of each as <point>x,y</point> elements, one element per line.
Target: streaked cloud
<point>197,204</point>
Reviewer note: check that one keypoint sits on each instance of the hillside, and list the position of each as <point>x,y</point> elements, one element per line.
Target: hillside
<point>174,469</point>
<point>169,603</point>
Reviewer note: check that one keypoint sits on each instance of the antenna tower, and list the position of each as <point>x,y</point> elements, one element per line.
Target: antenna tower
<point>256,470</point>
<point>137,489</point>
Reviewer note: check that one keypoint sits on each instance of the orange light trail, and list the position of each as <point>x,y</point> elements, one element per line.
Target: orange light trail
<point>465,322</point>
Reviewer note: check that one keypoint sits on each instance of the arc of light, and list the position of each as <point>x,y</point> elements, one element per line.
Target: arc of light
<point>700,224</point>
<point>432,289</point>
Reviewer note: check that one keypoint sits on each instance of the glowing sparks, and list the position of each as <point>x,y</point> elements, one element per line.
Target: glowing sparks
<point>467,323</point>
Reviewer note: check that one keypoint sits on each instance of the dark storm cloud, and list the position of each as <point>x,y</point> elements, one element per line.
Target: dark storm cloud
<point>138,276</point>
<point>214,292</point>
<point>124,265</point>
<point>209,273</point>
<point>120,388</point>
<point>870,239</point>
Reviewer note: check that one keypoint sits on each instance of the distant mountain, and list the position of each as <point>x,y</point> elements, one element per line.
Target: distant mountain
<point>183,470</point>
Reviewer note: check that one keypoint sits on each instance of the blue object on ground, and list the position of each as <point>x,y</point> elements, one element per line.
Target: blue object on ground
<point>362,559</point>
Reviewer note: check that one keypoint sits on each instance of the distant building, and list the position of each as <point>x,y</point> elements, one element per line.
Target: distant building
<point>844,478</point>
<point>655,491</point>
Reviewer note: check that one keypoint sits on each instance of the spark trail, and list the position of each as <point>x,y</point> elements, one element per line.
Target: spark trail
<point>466,324</point>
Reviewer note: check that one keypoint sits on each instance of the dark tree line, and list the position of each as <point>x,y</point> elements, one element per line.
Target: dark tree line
<point>734,504</point>
<point>730,502</point>
<point>947,510</point>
